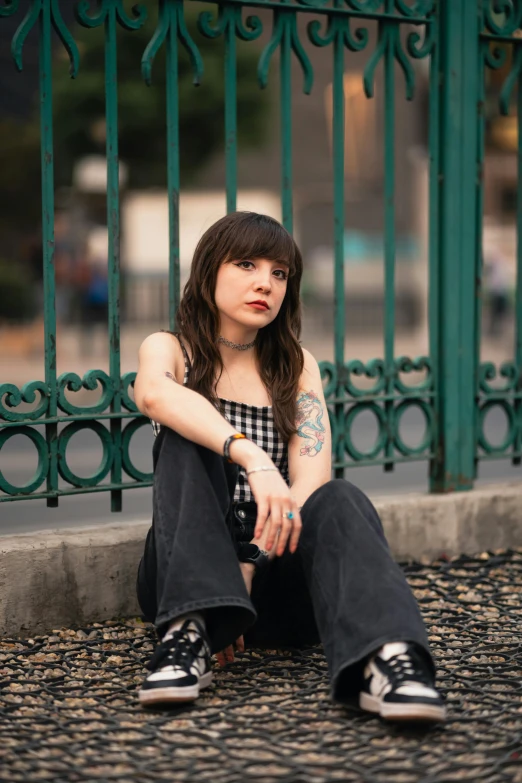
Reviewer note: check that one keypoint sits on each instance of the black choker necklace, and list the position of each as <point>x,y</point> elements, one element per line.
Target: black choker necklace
<point>236,346</point>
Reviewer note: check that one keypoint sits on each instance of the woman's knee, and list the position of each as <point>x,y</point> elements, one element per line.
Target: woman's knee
<point>169,439</point>
<point>175,455</point>
<point>338,491</point>
<point>341,496</point>
<point>171,447</point>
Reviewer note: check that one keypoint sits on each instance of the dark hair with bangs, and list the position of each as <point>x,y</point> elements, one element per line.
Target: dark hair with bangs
<point>240,236</point>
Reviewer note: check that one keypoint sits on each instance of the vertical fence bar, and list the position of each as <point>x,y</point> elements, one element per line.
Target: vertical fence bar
<point>389,234</point>
<point>517,444</point>
<point>433,234</point>
<point>47,165</point>
<point>481,150</point>
<point>231,112</point>
<point>173,161</point>
<point>338,142</point>
<point>457,353</point>
<point>286,128</point>
<point>113,225</point>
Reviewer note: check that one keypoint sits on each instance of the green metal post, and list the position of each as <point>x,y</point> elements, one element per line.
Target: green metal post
<point>231,112</point>
<point>458,246</point>
<point>338,131</point>
<point>389,232</point>
<point>173,9</point>
<point>433,229</point>
<point>481,151</point>
<point>47,163</point>
<point>517,444</point>
<point>285,88</point>
<point>113,224</point>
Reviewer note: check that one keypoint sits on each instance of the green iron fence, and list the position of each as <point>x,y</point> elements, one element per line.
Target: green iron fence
<point>462,40</point>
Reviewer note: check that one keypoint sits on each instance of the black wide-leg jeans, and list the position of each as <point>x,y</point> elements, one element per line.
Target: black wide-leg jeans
<point>341,587</point>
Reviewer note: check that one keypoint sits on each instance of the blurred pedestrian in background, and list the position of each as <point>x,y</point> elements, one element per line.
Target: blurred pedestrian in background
<point>496,285</point>
<point>93,295</point>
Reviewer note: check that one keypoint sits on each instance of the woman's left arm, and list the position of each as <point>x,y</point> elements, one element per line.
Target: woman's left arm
<point>310,449</point>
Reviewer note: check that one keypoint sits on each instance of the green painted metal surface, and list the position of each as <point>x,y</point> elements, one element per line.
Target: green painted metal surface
<point>461,41</point>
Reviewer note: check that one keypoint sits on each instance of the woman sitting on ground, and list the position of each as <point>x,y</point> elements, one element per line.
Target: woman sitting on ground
<point>250,536</point>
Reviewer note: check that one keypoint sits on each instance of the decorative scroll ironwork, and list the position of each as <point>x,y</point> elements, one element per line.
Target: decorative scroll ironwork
<point>127,382</point>
<point>502,17</point>
<point>70,381</point>
<point>43,460</point>
<point>338,26</point>
<point>285,30</point>
<point>229,17</point>
<point>11,397</point>
<point>94,17</point>
<point>389,40</point>
<point>105,439</point>
<point>503,25</point>
<point>407,31</point>
<point>34,11</point>
<point>171,19</point>
<point>78,418</point>
<point>397,11</point>
<point>500,387</point>
<point>9,8</point>
<point>505,395</point>
<point>387,410</point>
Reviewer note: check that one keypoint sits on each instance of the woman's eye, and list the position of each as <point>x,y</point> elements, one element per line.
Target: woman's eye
<point>281,274</point>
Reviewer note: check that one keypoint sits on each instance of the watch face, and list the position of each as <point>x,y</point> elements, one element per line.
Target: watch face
<point>251,553</point>
<point>250,550</point>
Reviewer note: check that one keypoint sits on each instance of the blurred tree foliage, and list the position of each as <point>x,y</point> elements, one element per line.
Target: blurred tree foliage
<point>17,299</point>
<point>79,112</point>
<point>80,104</point>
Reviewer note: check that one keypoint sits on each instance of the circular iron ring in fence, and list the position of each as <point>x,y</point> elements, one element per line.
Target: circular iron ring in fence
<point>43,460</point>
<point>107,458</point>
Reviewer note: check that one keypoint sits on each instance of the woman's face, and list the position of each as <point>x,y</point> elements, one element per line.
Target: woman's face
<point>250,293</point>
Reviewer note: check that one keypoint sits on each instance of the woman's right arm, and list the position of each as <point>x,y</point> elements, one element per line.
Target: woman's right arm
<point>159,394</point>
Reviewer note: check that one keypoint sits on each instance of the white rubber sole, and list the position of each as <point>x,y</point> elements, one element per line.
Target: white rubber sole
<point>407,712</point>
<point>173,695</point>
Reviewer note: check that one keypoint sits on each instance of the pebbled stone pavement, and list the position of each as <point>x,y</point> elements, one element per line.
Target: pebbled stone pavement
<point>69,709</point>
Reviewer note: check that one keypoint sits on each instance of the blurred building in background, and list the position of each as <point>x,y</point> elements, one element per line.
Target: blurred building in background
<point>81,198</point>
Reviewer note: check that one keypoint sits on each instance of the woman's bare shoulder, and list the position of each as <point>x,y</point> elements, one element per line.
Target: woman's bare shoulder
<point>160,342</point>
<point>162,350</point>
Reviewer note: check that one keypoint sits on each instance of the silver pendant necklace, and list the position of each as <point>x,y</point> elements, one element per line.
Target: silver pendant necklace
<point>236,346</point>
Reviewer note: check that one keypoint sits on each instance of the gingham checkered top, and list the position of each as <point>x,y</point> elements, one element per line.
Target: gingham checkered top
<point>257,423</point>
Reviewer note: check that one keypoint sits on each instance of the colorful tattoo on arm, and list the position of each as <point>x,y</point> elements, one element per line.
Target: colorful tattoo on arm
<point>310,423</point>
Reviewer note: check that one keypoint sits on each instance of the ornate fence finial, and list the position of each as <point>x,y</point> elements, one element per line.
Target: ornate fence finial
<point>171,18</point>
<point>36,8</point>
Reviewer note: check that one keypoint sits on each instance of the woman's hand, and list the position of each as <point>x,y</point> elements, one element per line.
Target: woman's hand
<point>274,504</point>
<point>227,655</point>
<point>272,496</point>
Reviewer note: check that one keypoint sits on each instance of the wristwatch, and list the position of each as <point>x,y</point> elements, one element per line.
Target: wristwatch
<point>251,553</point>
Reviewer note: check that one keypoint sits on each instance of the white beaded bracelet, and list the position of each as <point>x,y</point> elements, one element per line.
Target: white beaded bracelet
<point>264,467</point>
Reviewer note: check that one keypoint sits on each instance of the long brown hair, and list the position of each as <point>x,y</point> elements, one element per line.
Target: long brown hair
<point>244,236</point>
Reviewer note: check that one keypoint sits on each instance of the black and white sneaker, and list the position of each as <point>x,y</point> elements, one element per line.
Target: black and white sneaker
<point>180,667</point>
<point>398,685</point>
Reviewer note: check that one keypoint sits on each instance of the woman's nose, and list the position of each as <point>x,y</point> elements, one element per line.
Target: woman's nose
<point>263,284</point>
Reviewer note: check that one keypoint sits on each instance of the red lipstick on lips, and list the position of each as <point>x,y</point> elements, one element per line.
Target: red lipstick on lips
<point>259,304</point>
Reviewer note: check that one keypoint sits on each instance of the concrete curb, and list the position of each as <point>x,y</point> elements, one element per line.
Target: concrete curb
<point>73,577</point>
<point>69,577</point>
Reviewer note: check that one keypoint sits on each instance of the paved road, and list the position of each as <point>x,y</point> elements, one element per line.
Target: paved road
<point>18,464</point>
